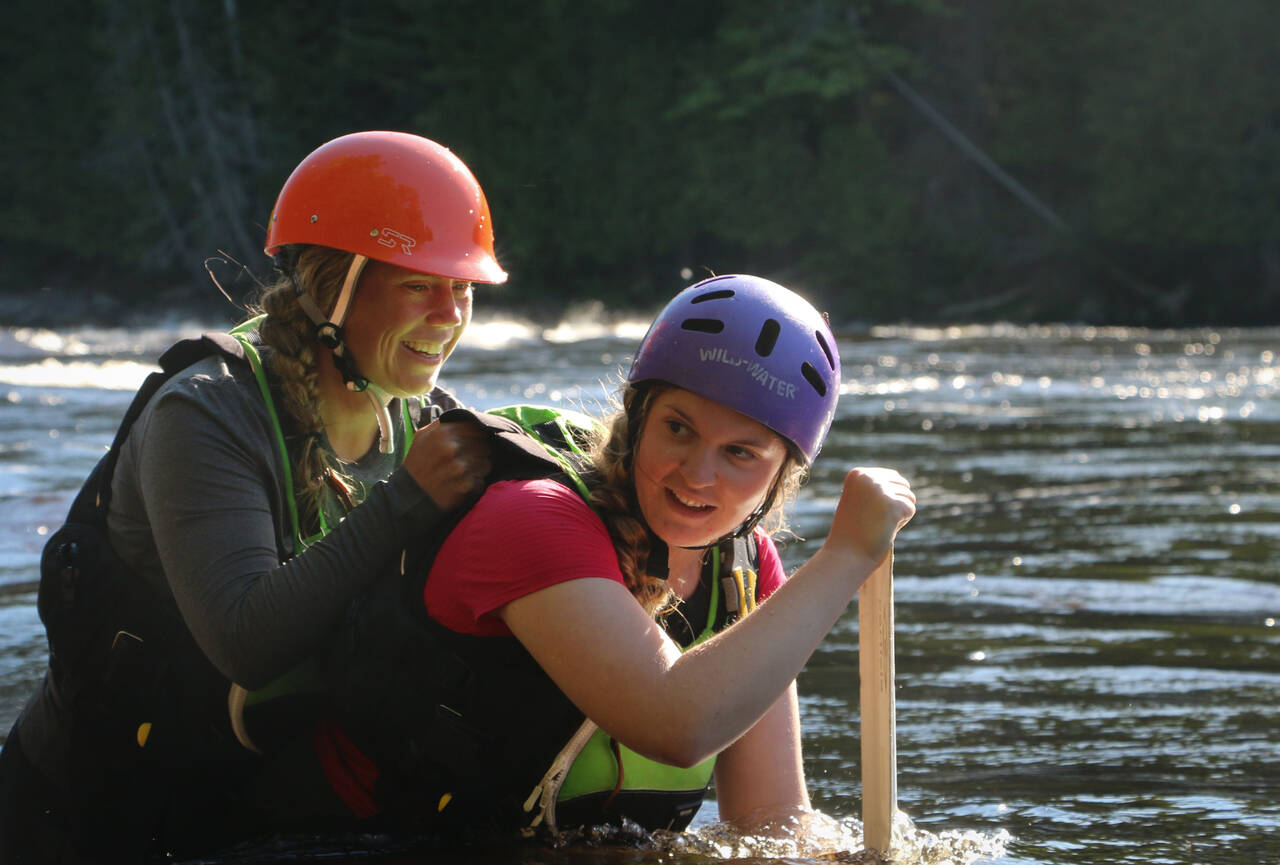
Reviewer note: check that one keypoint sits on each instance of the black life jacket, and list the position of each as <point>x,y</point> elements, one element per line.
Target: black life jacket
<point>140,705</point>
<point>463,727</point>
<point>100,619</point>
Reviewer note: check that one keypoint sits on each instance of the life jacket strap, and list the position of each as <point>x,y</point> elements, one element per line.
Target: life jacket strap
<point>547,791</point>
<point>236,698</point>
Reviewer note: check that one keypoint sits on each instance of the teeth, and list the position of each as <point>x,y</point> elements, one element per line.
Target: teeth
<point>682,500</point>
<point>426,347</point>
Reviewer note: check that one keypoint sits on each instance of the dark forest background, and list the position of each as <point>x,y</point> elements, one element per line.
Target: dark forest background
<point>1109,161</point>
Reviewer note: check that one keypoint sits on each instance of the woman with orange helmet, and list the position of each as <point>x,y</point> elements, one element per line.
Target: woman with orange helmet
<point>246,501</point>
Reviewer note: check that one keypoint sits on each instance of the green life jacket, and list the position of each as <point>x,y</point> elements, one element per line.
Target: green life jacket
<point>434,708</point>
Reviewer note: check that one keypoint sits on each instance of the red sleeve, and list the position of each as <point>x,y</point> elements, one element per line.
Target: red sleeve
<point>771,573</point>
<point>520,537</point>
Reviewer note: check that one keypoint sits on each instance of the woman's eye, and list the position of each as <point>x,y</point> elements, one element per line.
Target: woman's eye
<point>741,452</point>
<point>675,427</point>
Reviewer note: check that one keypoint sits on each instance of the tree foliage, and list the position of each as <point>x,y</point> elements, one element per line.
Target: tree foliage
<point>627,147</point>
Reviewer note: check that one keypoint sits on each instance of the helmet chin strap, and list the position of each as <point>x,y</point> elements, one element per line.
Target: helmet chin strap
<point>329,334</point>
<point>658,564</point>
<point>380,400</point>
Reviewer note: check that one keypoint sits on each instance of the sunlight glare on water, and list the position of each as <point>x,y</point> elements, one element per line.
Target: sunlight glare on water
<point>49,373</point>
<point>588,323</point>
<point>1177,375</point>
<point>593,321</point>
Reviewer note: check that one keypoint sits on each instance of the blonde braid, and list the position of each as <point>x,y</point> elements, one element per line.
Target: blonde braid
<point>320,271</point>
<point>613,498</point>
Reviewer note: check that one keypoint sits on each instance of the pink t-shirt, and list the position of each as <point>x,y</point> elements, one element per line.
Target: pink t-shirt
<point>514,542</point>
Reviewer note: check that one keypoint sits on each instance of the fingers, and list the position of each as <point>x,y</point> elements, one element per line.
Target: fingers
<point>449,461</point>
<point>875,503</point>
<point>899,497</point>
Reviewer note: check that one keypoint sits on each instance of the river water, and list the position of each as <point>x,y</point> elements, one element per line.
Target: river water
<point>1087,651</point>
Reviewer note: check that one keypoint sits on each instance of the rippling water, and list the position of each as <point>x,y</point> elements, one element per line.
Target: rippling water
<point>1087,652</point>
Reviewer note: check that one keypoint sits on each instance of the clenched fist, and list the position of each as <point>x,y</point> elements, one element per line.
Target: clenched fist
<point>874,504</point>
<point>449,460</point>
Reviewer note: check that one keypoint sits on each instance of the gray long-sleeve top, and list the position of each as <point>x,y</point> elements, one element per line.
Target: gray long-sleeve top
<point>198,510</point>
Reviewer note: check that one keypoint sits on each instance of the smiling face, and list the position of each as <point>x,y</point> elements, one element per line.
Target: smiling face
<point>403,325</point>
<point>701,469</point>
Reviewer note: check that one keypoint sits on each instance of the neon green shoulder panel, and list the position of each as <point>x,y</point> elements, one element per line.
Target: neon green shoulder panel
<point>596,771</point>
<point>566,426</point>
<point>259,374</point>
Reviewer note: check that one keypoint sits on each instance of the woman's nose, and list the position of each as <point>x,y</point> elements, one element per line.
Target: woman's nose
<point>445,307</point>
<point>698,467</point>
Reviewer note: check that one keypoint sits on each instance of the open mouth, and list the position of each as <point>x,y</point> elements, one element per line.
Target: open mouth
<point>688,504</point>
<point>430,351</point>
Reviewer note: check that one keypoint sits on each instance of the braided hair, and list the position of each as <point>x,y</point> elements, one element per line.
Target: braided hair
<point>319,271</point>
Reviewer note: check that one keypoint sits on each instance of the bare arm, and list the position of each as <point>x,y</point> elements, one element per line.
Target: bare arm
<point>618,666</point>
<point>760,777</point>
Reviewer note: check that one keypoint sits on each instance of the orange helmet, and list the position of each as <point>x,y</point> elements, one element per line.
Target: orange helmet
<point>390,196</point>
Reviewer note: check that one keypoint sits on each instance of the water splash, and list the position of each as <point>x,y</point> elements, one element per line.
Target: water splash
<point>813,838</point>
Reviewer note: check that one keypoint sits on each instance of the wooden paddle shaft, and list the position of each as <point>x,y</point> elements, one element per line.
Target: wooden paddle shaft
<point>879,727</point>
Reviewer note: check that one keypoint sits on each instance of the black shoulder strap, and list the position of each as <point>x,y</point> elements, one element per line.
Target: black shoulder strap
<point>88,598</point>
<point>739,579</point>
<point>91,502</point>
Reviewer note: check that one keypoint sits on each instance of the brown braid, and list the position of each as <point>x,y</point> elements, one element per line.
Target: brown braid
<point>613,495</point>
<point>320,271</point>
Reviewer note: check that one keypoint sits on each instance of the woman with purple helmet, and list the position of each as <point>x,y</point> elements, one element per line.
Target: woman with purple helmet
<point>726,405</point>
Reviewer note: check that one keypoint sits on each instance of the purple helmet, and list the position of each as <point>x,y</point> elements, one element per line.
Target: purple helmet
<point>753,346</point>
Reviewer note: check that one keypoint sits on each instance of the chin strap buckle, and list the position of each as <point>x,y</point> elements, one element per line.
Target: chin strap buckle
<point>329,335</point>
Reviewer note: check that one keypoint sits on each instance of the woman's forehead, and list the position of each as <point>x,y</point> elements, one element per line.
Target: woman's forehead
<point>700,408</point>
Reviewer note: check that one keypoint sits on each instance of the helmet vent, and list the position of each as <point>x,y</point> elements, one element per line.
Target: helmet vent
<point>826,349</point>
<point>703,325</point>
<point>814,378</point>
<point>768,337</point>
<point>720,294</point>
